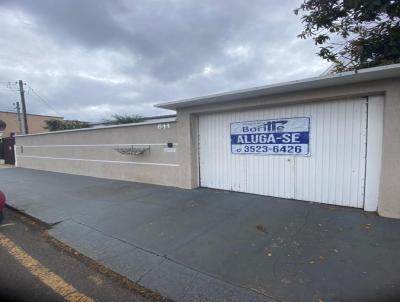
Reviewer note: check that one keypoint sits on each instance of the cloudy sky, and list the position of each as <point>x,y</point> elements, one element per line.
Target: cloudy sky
<point>92,58</point>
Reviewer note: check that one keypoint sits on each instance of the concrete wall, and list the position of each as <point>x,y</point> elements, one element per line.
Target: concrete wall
<point>36,123</point>
<point>92,152</point>
<point>389,193</point>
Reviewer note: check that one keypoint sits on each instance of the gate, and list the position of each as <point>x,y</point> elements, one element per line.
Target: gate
<point>332,171</point>
<point>8,147</point>
<point>1,149</point>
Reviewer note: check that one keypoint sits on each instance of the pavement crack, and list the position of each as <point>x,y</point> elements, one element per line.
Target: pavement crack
<point>149,271</point>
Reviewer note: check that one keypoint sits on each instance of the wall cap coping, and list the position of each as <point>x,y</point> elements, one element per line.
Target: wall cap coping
<point>167,120</point>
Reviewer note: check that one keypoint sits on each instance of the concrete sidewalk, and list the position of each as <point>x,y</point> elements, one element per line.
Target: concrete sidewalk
<point>208,245</point>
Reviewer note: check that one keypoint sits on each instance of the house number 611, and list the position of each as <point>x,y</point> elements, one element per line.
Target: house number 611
<point>163,126</point>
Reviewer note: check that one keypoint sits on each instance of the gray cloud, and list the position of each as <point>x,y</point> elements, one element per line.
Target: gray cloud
<point>93,58</point>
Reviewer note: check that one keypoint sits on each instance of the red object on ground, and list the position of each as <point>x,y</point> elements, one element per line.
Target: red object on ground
<point>2,200</point>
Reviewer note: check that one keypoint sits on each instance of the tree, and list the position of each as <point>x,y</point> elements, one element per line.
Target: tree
<point>56,125</point>
<point>124,119</point>
<point>353,34</point>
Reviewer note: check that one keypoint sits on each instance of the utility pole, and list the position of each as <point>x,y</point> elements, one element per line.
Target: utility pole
<point>21,92</point>
<point>20,123</point>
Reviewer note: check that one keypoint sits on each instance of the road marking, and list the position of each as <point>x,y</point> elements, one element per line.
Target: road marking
<point>55,282</point>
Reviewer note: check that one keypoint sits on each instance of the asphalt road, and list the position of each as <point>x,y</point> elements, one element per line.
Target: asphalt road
<point>32,268</point>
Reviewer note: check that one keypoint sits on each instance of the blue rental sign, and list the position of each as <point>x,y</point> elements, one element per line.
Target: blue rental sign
<point>284,136</point>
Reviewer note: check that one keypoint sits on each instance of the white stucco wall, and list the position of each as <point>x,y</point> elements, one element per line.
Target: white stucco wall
<point>93,152</point>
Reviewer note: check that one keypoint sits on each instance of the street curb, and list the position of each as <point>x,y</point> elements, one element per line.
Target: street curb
<point>30,217</point>
<point>145,292</point>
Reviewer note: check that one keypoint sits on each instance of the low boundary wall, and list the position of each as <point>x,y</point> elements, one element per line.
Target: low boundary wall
<point>143,152</point>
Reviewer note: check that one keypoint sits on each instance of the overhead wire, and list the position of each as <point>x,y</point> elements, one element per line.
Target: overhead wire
<point>43,100</point>
<point>9,85</point>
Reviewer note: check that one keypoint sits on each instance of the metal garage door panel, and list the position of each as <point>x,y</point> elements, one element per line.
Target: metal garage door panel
<point>334,172</point>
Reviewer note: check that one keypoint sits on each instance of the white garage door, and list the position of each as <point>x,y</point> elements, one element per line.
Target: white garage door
<point>314,152</point>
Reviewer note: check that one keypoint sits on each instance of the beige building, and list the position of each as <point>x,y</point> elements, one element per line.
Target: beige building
<point>36,123</point>
<point>332,139</point>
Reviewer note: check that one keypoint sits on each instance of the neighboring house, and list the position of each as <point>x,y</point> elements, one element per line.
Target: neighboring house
<point>36,123</point>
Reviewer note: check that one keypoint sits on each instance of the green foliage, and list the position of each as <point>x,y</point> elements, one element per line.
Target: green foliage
<point>124,119</point>
<point>353,34</point>
<point>56,125</point>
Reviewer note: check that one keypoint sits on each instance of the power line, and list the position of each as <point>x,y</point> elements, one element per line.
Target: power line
<point>43,100</point>
<point>7,109</point>
<point>10,86</point>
